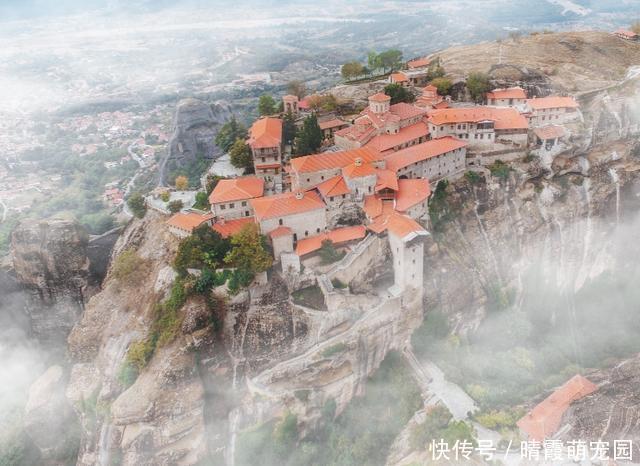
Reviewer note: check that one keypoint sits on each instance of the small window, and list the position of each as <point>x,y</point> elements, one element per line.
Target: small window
<point>279,221</point>
<point>330,198</point>
<point>263,159</point>
<point>317,230</point>
<point>306,233</point>
<point>232,205</point>
<point>244,203</point>
<point>308,180</point>
<point>222,206</point>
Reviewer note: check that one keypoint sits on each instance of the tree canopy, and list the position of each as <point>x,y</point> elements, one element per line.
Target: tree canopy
<point>309,138</point>
<point>204,248</point>
<point>399,93</point>
<point>288,128</point>
<point>352,70</point>
<point>249,252</point>
<point>229,133</point>
<point>478,85</point>
<point>266,105</point>
<point>175,206</point>
<point>182,183</point>
<point>240,154</point>
<point>137,205</point>
<point>444,85</point>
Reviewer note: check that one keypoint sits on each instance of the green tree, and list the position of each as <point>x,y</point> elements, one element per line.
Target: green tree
<point>399,93</point>
<point>240,154</point>
<point>204,248</point>
<point>297,88</point>
<point>390,59</point>
<point>137,205</point>
<point>202,201</point>
<point>444,85</point>
<point>351,70</point>
<point>373,61</point>
<point>182,183</point>
<point>175,206</point>
<point>266,105</point>
<point>230,132</point>
<point>248,251</point>
<point>309,137</point>
<point>329,253</point>
<point>289,128</point>
<point>478,85</point>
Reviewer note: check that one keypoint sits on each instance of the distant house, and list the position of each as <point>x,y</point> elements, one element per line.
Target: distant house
<point>399,78</point>
<point>418,63</point>
<point>429,97</point>
<point>548,137</point>
<point>544,420</point>
<point>329,127</point>
<point>508,97</point>
<point>265,140</point>
<point>550,110</point>
<point>230,198</point>
<point>627,35</point>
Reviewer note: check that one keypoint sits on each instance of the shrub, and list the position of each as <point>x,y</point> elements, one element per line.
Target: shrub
<point>175,206</point>
<point>328,253</point>
<point>302,395</point>
<point>129,267</point>
<point>137,205</point>
<point>500,169</point>
<point>338,284</point>
<point>165,196</point>
<point>473,177</point>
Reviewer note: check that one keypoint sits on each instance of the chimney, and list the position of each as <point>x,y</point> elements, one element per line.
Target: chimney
<point>358,161</point>
<point>299,195</point>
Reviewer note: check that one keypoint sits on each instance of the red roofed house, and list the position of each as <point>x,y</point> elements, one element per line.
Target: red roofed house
<point>508,97</point>
<point>433,160</point>
<point>552,110</point>
<point>627,35</point>
<point>339,237</point>
<point>399,78</point>
<point>329,127</point>
<point>230,198</point>
<point>228,228</point>
<point>360,178</point>
<point>480,126</point>
<point>265,140</point>
<point>381,118</point>
<point>406,239</point>
<point>311,170</point>
<point>429,97</point>
<point>418,63</point>
<point>303,213</point>
<point>545,419</point>
<point>182,224</point>
<point>548,137</point>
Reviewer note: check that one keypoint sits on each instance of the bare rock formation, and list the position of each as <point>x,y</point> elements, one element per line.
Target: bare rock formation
<point>50,260</point>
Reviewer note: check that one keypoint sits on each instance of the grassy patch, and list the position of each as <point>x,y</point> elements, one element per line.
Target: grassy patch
<point>130,268</point>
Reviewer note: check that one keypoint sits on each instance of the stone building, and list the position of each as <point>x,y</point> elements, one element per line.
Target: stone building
<point>508,97</point>
<point>265,140</point>
<point>552,110</point>
<point>230,198</point>
<point>432,160</point>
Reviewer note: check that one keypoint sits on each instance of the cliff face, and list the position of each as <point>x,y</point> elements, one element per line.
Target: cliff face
<point>195,126</point>
<point>50,260</point>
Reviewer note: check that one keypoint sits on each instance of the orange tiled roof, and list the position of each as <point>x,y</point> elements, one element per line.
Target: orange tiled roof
<point>280,231</point>
<point>430,88</point>
<point>410,155</point>
<point>404,111</point>
<point>507,93</point>
<point>337,236</point>
<point>360,132</point>
<point>334,123</point>
<point>188,221</point>
<point>229,228</point>
<point>380,97</point>
<point>503,118</point>
<point>552,102</point>
<point>265,132</point>
<point>442,104</point>
<point>268,165</point>
<point>358,169</point>
<point>544,419</point>
<point>333,187</point>
<point>418,63</point>
<point>411,192</point>
<point>387,179</point>
<point>237,189</point>
<point>385,142</point>
<point>281,205</point>
<point>398,77</point>
<point>372,206</point>
<point>333,160</point>
<point>626,33</point>
<point>398,224</point>
<point>549,132</point>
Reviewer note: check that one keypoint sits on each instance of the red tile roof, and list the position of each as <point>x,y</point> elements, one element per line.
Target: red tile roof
<point>333,187</point>
<point>405,111</point>
<point>418,63</point>
<point>544,420</point>
<point>549,132</point>
<point>507,93</point>
<point>280,231</point>
<point>387,179</point>
<point>385,142</point>
<point>358,169</point>
<point>627,34</point>
<point>334,123</point>
<point>281,205</point>
<point>265,132</point>
<point>333,160</point>
<point>372,206</point>
<point>397,224</point>
<point>411,192</point>
<point>267,166</point>
<point>552,102</point>
<point>229,228</point>
<point>418,153</point>
<point>337,236</point>
<point>380,97</point>
<point>361,132</point>
<point>399,77</point>
<point>237,189</point>
<point>188,221</point>
<point>503,118</point>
